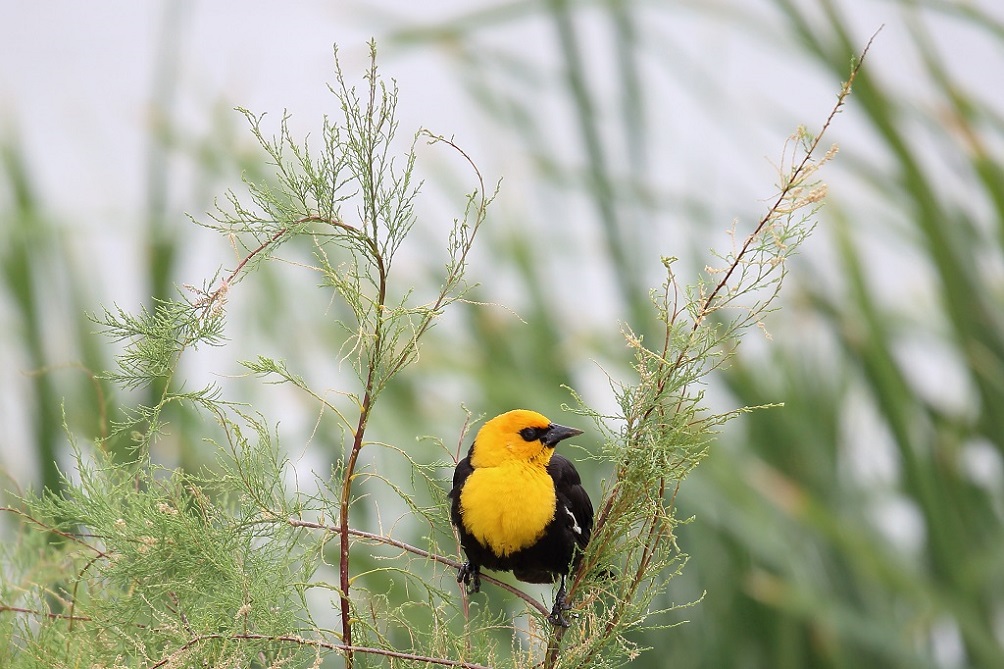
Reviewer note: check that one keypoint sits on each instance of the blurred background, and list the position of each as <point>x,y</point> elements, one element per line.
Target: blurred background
<point>857,526</point>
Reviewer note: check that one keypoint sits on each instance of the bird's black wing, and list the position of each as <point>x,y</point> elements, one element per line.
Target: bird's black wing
<point>470,571</point>
<point>573,507</point>
<point>460,474</point>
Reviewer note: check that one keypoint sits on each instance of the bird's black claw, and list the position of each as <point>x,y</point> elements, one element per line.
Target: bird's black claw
<point>470,576</point>
<point>557,617</point>
<point>558,620</point>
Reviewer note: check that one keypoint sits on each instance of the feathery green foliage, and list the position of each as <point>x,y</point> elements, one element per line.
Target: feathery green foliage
<point>171,568</point>
<point>167,568</point>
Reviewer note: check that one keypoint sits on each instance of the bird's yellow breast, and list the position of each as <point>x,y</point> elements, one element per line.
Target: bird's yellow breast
<point>507,508</point>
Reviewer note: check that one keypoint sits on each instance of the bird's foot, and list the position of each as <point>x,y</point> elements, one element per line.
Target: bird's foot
<point>557,617</point>
<point>470,576</point>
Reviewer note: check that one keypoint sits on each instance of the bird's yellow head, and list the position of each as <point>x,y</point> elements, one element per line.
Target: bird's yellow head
<point>518,436</point>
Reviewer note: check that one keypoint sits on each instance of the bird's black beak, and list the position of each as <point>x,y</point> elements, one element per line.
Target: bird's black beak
<point>556,433</point>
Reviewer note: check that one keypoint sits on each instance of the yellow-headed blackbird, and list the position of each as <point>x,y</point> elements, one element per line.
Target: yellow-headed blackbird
<point>519,507</point>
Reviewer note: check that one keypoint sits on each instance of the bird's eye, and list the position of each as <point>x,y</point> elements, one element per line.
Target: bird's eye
<point>530,433</point>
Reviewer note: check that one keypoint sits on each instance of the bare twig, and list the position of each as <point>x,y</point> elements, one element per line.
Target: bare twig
<point>449,562</point>
<point>53,530</point>
<point>316,643</point>
<point>44,614</point>
<point>786,190</point>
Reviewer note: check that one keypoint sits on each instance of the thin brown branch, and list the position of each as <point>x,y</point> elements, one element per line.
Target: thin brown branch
<point>343,514</point>
<point>415,658</point>
<point>227,281</point>
<point>787,189</point>
<point>263,637</point>
<point>230,278</point>
<point>449,562</point>
<point>53,530</point>
<point>44,614</point>
<point>357,446</point>
<point>315,643</point>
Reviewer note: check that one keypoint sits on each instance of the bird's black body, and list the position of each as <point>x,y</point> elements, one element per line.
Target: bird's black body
<point>564,537</point>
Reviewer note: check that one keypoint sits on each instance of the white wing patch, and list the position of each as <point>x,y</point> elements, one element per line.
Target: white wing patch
<point>575,523</point>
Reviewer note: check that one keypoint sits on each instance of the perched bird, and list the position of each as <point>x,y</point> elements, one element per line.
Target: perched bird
<point>519,507</point>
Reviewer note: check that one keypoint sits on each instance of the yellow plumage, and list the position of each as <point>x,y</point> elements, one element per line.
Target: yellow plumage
<point>509,499</point>
<point>500,519</point>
